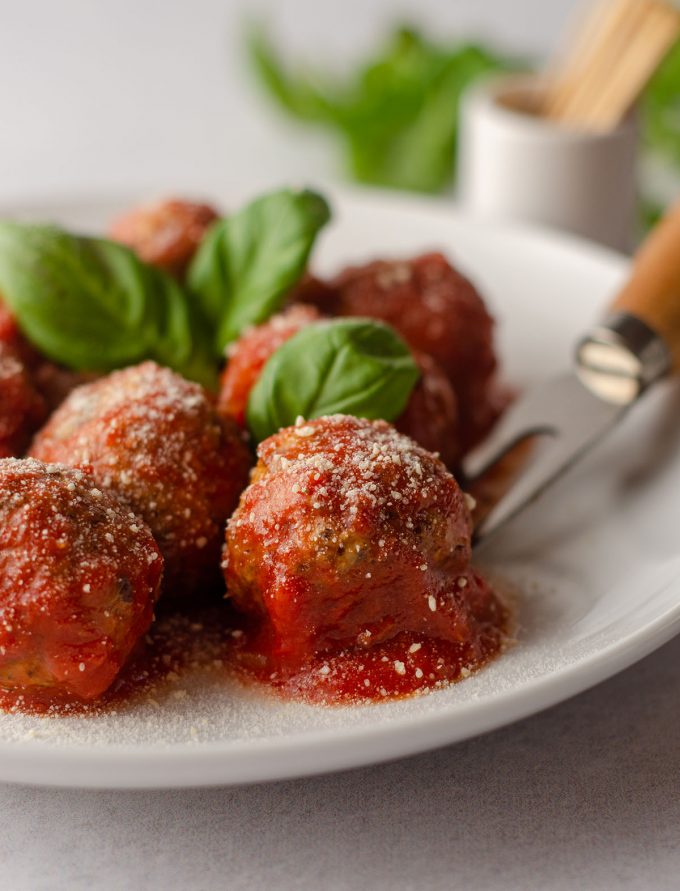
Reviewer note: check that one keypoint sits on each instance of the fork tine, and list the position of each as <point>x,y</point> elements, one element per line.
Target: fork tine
<point>564,409</point>
<point>545,467</point>
<point>560,408</point>
<point>517,424</point>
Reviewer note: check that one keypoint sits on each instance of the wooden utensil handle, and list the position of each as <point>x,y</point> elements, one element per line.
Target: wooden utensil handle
<point>652,292</point>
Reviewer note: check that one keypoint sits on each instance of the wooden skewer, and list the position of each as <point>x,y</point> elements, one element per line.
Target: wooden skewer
<point>640,50</point>
<point>582,54</point>
<point>658,33</point>
<point>614,40</point>
<point>619,48</point>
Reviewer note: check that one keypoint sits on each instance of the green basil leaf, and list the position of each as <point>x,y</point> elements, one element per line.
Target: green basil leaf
<point>303,98</point>
<point>396,115</point>
<point>347,366</point>
<point>91,304</point>
<point>246,264</point>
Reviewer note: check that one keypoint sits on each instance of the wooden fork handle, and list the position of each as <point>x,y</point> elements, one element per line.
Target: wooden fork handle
<point>652,293</point>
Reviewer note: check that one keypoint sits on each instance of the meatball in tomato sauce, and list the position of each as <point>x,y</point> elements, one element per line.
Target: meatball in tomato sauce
<point>158,440</point>
<point>22,408</point>
<point>44,384</point>
<point>431,413</point>
<point>430,417</point>
<point>439,312</point>
<point>9,330</point>
<point>165,234</point>
<point>249,354</point>
<point>350,552</point>
<point>79,576</point>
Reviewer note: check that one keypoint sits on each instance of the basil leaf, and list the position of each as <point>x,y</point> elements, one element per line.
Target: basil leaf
<point>396,115</point>
<point>91,304</point>
<point>246,264</point>
<point>347,366</point>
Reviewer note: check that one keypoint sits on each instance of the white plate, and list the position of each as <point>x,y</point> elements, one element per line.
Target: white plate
<point>596,561</point>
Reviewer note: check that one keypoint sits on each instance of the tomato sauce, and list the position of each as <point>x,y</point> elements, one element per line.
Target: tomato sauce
<point>177,646</point>
<point>400,667</point>
<point>217,642</point>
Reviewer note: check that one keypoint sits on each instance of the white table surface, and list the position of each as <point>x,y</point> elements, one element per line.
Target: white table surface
<point>584,796</point>
<point>145,96</point>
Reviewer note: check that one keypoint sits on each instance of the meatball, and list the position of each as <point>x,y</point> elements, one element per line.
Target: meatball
<point>312,290</point>
<point>79,575</point>
<point>351,536</point>
<point>12,338</point>
<point>159,441</point>
<point>22,408</point>
<point>437,311</point>
<point>55,382</point>
<point>9,330</point>
<point>430,417</point>
<point>431,413</point>
<point>248,356</point>
<point>165,234</point>
<point>52,382</point>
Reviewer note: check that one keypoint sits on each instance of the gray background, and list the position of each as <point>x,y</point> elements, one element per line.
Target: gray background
<point>150,93</point>
<point>138,95</point>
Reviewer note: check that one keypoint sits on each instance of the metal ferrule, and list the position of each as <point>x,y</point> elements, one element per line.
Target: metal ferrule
<point>620,358</point>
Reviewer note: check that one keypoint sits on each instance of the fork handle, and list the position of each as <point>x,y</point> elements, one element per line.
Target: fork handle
<point>652,293</point>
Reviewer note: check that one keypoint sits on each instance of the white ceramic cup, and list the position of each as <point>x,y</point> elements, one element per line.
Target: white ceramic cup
<point>518,166</point>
